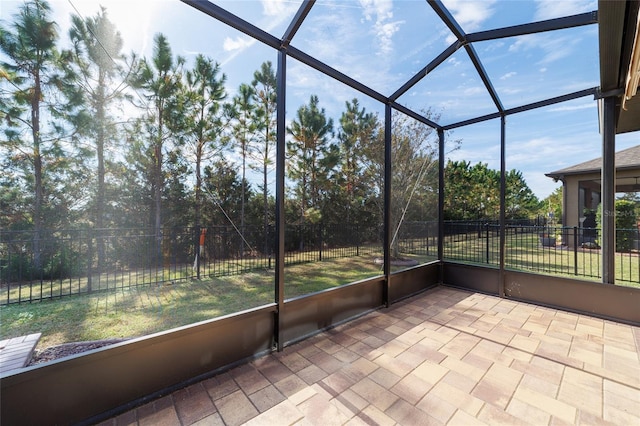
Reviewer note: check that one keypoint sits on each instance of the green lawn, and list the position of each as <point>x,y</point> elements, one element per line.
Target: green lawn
<point>524,252</point>
<point>138,311</point>
<point>143,309</point>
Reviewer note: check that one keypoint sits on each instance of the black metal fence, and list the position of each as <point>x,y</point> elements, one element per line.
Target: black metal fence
<point>84,261</point>
<point>568,251</point>
<point>71,262</point>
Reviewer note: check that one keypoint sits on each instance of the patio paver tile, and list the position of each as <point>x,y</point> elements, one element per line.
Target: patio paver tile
<point>319,411</point>
<point>492,415</point>
<point>428,368</point>
<point>539,385</point>
<point>620,417</point>
<point>528,413</point>
<point>266,398</point>
<point>294,361</point>
<point>430,372</point>
<point>377,396</point>
<point>493,392</point>
<point>461,418</point>
<point>373,416</point>
<point>272,369</point>
<point>291,385</point>
<point>460,381</point>
<point>346,356</point>
<point>585,398</point>
<point>193,404</point>
<point>498,334</point>
<point>397,367</point>
<point>477,361</point>
<point>350,403</point>
<point>384,377</point>
<point>235,409</point>
<point>326,362</point>
<point>394,348</point>
<point>159,413</point>
<point>406,414</point>
<point>628,404</point>
<point>337,382</point>
<point>312,374</point>
<point>463,400</point>
<point>440,409</point>
<point>460,345</point>
<point>126,419</point>
<point>249,379</point>
<point>526,344</point>
<point>586,418</point>
<point>219,386</point>
<point>411,388</point>
<point>617,376</point>
<point>285,413</point>
<point>619,389</point>
<point>546,403</point>
<point>518,354</point>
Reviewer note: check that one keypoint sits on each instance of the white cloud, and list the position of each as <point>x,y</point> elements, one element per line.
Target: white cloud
<point>470,14</point>
<point>381,12</point>
<point>573,107</point>
<point>508,75</point>
<point>494,45</point>
<point>278,8</point>
<point>241,43</point>
<point>549,9</point>
<point>553,47</point>
<point>510,90</point>
<point>475,90</point>
<point>378,9</point>
<point>453,61</point>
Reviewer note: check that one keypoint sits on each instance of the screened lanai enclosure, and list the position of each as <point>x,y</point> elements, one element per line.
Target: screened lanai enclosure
<point>239,176</point>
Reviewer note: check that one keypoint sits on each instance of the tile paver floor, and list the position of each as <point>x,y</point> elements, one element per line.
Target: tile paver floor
<point>446,356</point>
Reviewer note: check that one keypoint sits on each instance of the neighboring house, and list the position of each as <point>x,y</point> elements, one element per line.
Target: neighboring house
<point>581,185</point>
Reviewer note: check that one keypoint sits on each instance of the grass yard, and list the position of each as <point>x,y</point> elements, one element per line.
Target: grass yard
<point>138,311</point>
<point>524,253</point>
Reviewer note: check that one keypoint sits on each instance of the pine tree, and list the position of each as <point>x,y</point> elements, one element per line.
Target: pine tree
<point>312,155</point>
<point>160,78</point>
<point>40,109</point>
<point>265,88</point>
<point>97,56</point>
<point>202,130</point>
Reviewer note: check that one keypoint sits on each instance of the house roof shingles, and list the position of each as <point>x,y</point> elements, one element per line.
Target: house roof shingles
<point>625,159</point>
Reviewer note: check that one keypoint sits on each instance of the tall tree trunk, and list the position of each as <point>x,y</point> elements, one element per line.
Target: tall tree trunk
<point>199,153</point>
<point>199,149</point>
<point>100,141</point>
<point>159,183</point>
<point>266,206</point>
<point>244,159</point>
<point>38,174</point>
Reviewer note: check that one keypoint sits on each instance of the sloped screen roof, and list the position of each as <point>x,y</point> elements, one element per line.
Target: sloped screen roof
<point>415,66</point>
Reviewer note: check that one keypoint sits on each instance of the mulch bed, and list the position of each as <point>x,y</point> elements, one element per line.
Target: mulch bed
<point>66,349</point>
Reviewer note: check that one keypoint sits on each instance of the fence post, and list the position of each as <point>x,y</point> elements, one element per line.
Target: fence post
<point>89,261</point>
<point>357,240</point>
<point>175,254</point>
<point>198,252</point>
<point>426,228</point>
<point>575,250</point>
<point>487,243</point>
<point>320,241</point>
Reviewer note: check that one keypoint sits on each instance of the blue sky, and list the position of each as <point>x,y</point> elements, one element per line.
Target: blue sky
<point>383,43</point>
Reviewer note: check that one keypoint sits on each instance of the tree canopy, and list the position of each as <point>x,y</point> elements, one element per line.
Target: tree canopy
<point>94,137</point>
